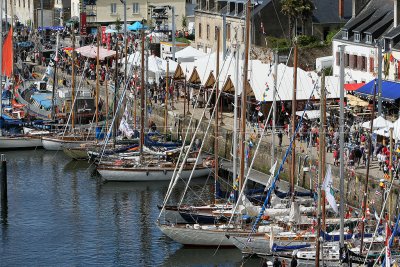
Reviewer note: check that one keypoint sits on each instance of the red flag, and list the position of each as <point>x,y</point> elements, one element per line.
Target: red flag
<point>7,63</point>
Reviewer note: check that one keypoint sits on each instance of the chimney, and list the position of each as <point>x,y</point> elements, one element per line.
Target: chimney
<point>353,9</point>
<point>341,8</point>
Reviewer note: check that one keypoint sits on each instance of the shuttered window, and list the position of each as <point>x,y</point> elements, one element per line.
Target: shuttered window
<point>371,65</point>
<point>346,60</point>
<point>337,58</point>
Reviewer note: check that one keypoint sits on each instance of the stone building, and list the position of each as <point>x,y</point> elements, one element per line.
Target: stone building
<point>28,12</point>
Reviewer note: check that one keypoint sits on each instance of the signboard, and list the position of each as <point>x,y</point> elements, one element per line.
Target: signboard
<point>83,23</point>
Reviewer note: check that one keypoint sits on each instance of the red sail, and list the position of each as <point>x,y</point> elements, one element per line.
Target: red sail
<point>8,54</point>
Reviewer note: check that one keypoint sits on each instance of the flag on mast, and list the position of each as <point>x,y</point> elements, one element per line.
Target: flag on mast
<point>329,192</point>
<point>8,57</point>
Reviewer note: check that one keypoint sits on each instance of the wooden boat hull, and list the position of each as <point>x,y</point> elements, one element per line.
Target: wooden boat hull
<point>56,144</point>
<point>76,153</point>
<point>150,174</point>
<point>197,237</point>
<point>19,143</point>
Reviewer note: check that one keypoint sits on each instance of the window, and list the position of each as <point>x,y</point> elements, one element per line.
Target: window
<point>216,33</point>
<point>23,3</point>
<point>208,31</point>
<point>199,30</point>
<point>19,3</point>
<point>135,8</point>
<point>371,65</point>
<point>345,35</point>
<point>357,37</point>
<point>113,8</point>
<point>228,31</point>
<point>369,38</point>
<point>29,4</point>
<point>243,34</point>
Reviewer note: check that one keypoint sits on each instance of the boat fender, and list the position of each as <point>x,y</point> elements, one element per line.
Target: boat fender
<point>165,172</point>
<point>147,173</point>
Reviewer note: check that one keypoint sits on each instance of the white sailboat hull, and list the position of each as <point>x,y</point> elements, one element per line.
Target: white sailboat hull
<point>19,142</point>
<point>141,174</point>
<point>55,144</point>
<point>255,246</point>
<point>196,237</point>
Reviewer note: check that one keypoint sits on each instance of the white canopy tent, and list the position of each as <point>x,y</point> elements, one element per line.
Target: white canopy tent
<point>310,114</point>
<point>378,123</point>
<point>189,54</point>
<point>157,66</point>
<point>396,130</point>
<point>383,132</point>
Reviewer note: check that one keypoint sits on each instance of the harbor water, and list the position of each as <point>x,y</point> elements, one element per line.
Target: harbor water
<point>60,213</point>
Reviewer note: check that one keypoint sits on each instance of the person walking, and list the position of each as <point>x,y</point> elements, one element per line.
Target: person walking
<point>277,262</point>
<point>280,136</point>
<point>293,262</point>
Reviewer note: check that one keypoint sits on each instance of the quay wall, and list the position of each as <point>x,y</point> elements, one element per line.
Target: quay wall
<point>354,181</point>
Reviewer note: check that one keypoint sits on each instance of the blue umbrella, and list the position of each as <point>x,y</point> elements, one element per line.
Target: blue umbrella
<point>136,26</point>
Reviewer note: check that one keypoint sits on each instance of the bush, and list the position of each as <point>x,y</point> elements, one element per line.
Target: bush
<point>306,40</point>
<point>279,43</point>
<point>182,40</point>
<point>330,35</point>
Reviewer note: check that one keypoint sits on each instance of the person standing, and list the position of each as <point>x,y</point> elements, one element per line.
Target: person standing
<point>277,262</point>
<point>280,136</point>
<point>293,262</point>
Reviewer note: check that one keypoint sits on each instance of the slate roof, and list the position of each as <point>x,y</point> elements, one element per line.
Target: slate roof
<point>327,11</point>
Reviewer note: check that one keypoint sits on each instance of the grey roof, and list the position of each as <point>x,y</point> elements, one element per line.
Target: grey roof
<point>385,21</point>
<point>327,11</point>
<point>374,18</point>
<point>393,33</point>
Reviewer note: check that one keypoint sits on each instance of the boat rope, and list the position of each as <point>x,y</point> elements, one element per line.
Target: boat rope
<point>194,137</point>
<point>172,182</point>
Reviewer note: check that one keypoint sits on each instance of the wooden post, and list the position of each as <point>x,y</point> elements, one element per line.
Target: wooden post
<point>3,182</point>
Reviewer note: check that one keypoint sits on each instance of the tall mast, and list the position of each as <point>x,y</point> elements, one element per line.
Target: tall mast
<point>274,106</point>
<point>107,102</point>
<point>235,115</point>
<point>166,100</point>
<point>341,146</point>
<point>1,60</point>
<point>364,207</point>
<point>53,97</point>
<point>216,111</point>
<point>244,95</point>
<point>293,124</point>
<point>321,168</point>
<point>97,76</point>
<point>115,94</point>
<point>390,195</point>
<point>142,104</point>
<point>73,80</point>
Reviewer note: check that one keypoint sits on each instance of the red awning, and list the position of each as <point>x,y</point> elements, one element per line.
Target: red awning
<point>353,86</point>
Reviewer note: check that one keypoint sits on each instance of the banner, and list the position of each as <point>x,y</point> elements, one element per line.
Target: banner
<point>83,23</point>
<point>8,57</point>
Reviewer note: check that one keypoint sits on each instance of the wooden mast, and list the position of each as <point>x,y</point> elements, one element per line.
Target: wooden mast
<point>97,75</point>
<point>107,102</point>
<point>115,94</point>
<point>244,95</point>
<point>142,104</point>
<point>216,130</point>
<point>53,96</point>
<point>321,170</point>
<point>293,123</point>
<point>364,205</point>
<point>73,80</point>
<point>166,100</point>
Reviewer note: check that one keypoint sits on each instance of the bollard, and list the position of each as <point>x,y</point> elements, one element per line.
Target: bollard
<point>3,181</point>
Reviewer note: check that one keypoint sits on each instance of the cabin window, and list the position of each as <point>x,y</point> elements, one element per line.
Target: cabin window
<point>199,30</point>
<point>357,37</point>
<point>345,35</point>
<point>369,39</point>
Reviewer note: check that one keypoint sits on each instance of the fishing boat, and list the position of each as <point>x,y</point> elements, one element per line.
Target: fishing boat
<point>58,143</point>
<point>20,142</point>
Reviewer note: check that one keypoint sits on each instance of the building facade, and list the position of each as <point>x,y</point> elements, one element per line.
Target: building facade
<point>29,12</point>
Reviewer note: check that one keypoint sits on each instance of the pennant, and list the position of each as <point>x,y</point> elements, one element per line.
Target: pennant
<point>7,62</point>
<point>329,192</point>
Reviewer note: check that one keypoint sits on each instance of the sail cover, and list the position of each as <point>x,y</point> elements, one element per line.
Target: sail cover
<point>7,60</point>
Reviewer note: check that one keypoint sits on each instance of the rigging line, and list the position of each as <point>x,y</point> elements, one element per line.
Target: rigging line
<point>213,112</point>
<point>272,187</point>
<point>186,135</point>
<point>192,141</point>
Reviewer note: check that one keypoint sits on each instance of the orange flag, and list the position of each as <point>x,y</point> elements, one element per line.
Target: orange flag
<point>8,59</point>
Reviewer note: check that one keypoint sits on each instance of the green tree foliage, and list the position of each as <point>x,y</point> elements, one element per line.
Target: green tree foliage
<point>297,9</point>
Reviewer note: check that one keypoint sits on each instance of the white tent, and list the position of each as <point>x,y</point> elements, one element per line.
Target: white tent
<point>382,132</point>
<point>157,66</point>
<point>396,130</point>
<point>157,37</point>
<point>188,54</point>
<point>378,123</point>
<point>310,114</point>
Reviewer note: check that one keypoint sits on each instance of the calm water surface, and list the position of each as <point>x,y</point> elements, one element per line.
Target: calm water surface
<point>61,214</point>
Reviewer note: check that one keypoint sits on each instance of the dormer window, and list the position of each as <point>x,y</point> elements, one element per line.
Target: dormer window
<point>369,39</point>
<point>345,35</point>
<point>357,37</point>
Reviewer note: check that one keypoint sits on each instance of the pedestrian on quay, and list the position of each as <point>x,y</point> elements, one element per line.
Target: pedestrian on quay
<point>280,136</point>
<point>277,262</point>
<point>293,262</point>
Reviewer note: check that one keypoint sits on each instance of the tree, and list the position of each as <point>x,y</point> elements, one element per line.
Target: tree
<point>297,9</point>
<point>184,22</point>
<point>118,25</point>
